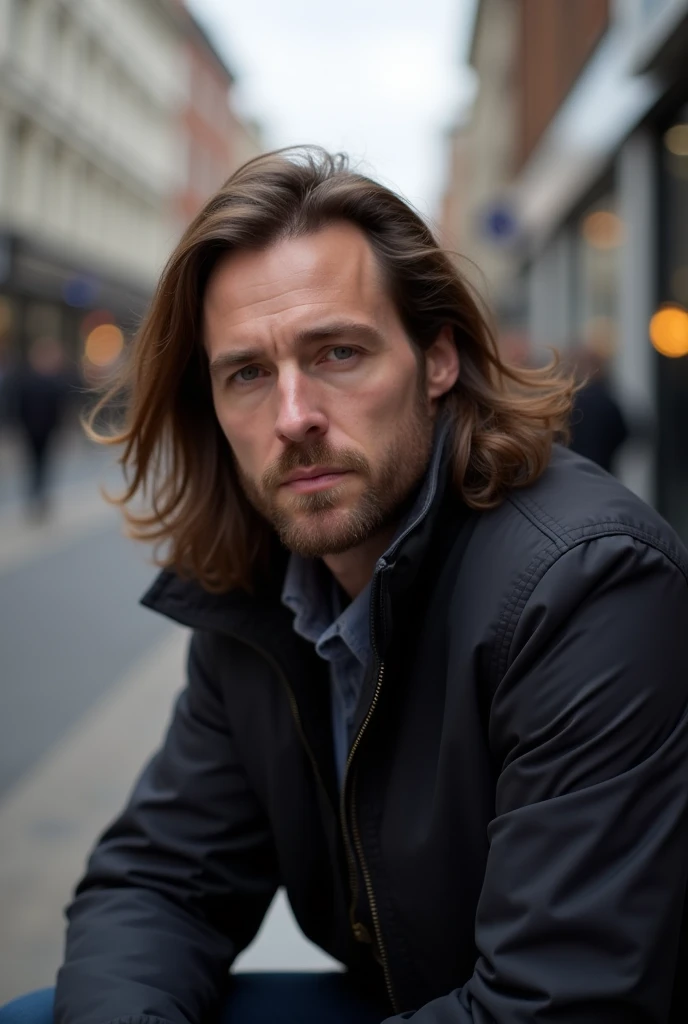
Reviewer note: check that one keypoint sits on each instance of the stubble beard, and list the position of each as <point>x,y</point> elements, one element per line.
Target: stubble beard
<point>315,525</point>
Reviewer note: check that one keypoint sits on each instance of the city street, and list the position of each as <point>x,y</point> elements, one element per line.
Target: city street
<point>87,683</point>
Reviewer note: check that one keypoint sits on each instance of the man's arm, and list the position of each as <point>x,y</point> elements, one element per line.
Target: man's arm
<point>581,907</point>
<point>178,885</point>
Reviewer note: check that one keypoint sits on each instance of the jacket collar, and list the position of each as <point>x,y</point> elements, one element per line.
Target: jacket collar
<point>255,617</point>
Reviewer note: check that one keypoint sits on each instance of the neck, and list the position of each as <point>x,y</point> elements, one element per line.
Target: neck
<point>354,569</point>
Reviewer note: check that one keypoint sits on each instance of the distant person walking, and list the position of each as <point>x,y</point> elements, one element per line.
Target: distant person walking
<point>39,396</point>
<point>598,426</point>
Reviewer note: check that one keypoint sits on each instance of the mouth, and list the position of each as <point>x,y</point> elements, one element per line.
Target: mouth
<point>314,478</point>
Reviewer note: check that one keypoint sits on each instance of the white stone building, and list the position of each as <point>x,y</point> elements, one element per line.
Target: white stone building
<point>91,156</point>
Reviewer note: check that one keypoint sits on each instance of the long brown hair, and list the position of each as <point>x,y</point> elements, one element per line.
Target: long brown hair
<point>175,456</point>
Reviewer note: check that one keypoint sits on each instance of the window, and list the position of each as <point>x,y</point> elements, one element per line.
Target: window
<point>599,233</point>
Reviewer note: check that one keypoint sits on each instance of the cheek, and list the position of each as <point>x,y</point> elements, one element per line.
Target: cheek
<point>376,412</point>
<point>388,397</point>
<point>234,429</point>
<point>249,443</point>
<point>234,426</point>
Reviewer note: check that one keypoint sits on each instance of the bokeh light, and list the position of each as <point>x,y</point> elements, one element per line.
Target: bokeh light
<point>669,331</point>
<point>104,345</point>
<point>602,229</point>
<point>676,140</point>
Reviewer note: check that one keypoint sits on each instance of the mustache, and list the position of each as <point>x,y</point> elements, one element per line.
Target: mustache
<point>315,454</point>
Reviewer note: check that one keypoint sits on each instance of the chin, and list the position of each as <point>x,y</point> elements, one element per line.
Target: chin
<point>328,533</point>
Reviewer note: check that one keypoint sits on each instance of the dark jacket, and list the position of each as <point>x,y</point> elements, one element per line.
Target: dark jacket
<point>598,427</point>
<point>512,841</point>
<point>38,401</point>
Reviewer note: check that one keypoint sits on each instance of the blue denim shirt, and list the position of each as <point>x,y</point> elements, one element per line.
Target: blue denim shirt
<point>340,631</point>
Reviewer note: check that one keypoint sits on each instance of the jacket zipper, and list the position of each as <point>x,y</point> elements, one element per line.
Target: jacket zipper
<point>372,902</point>
<point>353,873</point>
<point>358,845</point>
<point>353,878</point>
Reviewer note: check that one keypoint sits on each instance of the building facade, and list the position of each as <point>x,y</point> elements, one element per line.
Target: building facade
<point>598,193</point>
<point>90,156</point>
<point>474,220</point>
<point>115,125</point>
<point>216,139</point>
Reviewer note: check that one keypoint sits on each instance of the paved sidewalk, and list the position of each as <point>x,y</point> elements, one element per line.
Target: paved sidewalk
<point>78,509</point>
<point>75,460</point>
<point>77,505</point>
<point>50,819</point>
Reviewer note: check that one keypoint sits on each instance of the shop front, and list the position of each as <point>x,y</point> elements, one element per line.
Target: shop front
<point>43,293</point>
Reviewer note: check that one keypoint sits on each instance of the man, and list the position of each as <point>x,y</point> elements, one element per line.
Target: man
<point>437,677</point>
<point>598,425</point>
<point>38,397</point>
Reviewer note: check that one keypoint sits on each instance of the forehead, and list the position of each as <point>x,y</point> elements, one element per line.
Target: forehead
<point>333,270</point>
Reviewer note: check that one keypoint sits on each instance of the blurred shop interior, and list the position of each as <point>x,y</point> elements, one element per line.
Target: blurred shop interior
<point>567,185</point>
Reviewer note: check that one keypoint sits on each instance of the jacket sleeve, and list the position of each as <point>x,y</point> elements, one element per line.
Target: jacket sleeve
<point>580,913</point>
<point>178,885</point>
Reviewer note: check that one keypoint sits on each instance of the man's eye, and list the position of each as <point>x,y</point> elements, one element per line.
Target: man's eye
<point>341,353</point>
<point>246,375</point>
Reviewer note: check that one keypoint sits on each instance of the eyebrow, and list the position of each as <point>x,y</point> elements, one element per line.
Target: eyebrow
<point>307,336</point>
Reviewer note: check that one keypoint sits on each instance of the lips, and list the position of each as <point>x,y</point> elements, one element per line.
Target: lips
<point>311,472</point>
<point>310,479</point>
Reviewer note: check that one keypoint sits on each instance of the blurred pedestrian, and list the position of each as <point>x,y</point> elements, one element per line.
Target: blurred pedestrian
<point>436,679</point>
<point>598,425</point>
<point>39,394</point>
<point>4,379</point>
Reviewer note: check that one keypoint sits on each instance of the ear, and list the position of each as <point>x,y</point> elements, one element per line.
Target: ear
<point>441,364</point>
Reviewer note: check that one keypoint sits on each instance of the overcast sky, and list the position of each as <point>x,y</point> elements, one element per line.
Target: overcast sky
<point>381,79</point>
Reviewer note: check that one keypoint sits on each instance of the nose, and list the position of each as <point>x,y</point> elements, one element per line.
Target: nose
<point>300,416</point>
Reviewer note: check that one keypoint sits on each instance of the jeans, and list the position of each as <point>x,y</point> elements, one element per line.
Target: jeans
<point>284,998</point>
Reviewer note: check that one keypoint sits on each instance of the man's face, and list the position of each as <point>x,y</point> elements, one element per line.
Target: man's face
<point>317,388</point>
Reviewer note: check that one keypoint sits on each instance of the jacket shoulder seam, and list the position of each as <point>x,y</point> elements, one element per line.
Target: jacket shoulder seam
<point>539,518</point>
<point>565,537</point>
<point>539,565</point>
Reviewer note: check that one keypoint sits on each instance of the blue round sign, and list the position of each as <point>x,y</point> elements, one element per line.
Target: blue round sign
<point>499,223</point>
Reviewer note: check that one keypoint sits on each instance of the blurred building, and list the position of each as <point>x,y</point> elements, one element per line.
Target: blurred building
<point>115,124</point>
<point>89,157</point>
<point>217,139</point>
<point>475,223</point>
<point>589,208</point>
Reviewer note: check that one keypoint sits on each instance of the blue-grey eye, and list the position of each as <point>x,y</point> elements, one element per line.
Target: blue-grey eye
<point>343,352</point>
<point>253,370</point>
